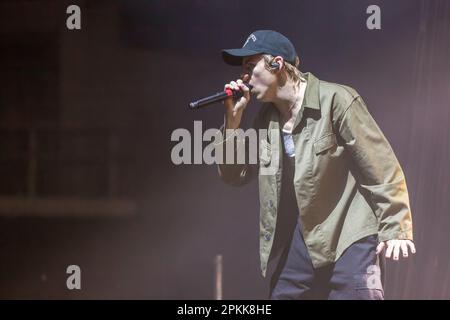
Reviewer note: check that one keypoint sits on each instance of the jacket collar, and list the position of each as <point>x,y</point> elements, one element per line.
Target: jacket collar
<point>311,99</point>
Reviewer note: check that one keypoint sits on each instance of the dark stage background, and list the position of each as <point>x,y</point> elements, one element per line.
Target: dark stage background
<point>86,118</point>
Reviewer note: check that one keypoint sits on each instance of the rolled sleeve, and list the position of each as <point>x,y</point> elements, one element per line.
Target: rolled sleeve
<point>233,173</point>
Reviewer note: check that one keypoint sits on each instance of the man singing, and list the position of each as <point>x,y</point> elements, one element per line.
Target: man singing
<point>337,203</point>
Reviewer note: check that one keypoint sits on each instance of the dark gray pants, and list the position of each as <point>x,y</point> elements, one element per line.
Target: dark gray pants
<point>358,273</point>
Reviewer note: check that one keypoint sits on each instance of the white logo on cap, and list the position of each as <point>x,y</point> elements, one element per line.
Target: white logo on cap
<point>252,36</point>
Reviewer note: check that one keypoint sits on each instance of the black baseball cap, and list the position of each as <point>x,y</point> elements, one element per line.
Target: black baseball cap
<point>262,42</point>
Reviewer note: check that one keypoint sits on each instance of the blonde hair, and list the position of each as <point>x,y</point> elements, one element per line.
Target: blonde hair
<point>292,71</point>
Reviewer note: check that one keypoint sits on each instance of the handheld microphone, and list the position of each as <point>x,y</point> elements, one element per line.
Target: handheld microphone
<point>220,96</point>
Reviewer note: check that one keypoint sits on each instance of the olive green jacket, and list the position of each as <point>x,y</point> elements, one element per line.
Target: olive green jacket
<point>348,181</point>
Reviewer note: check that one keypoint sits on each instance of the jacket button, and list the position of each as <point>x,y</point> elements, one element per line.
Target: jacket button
<point>267,237</point>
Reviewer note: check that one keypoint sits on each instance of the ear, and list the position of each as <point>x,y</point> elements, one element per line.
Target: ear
<point>278,63</point>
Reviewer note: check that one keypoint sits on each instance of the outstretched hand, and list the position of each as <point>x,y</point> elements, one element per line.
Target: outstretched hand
<point>394,247</point>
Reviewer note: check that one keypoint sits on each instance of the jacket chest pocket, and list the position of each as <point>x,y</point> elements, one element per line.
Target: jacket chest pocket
<point>325,143</point>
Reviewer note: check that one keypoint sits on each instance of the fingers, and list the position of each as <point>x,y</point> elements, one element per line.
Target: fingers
<point>380,247</point>
<point>235,107</point>
<point>404,248</point>
<point>229,104</point>
<point>389,249</point>
<point>395,246</point>
<point>396,251</point>
<point>232,85</point>
<point>244,88</point>
<point>411,246</point>
<point>237,85</point>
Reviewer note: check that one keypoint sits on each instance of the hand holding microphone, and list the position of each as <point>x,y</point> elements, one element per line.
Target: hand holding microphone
<point>236,96</point>
<point>220,96</point>
<point>235,107</point>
